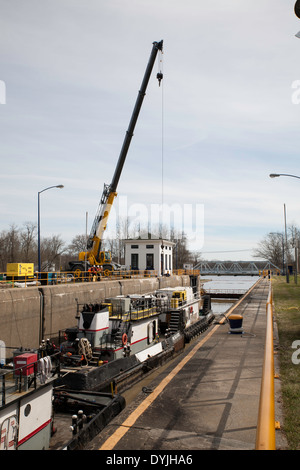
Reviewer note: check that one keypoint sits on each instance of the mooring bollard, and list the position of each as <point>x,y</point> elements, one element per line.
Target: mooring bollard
<point>235,323</point>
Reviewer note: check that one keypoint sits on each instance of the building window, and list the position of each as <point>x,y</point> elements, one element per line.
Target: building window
<point>134,261</point>
<point>134,246</point>
<point>149,246</point>
<point>149,261</point>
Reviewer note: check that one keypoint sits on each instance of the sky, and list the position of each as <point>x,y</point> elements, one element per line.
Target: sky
<point>226,115</point>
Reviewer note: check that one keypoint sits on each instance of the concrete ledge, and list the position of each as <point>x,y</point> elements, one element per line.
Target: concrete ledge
<point>26,312</point>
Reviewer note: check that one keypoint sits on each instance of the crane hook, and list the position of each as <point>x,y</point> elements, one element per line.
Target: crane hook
<point>159,77</point>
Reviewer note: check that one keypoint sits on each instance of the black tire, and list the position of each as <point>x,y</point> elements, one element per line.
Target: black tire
<point>78,272</point>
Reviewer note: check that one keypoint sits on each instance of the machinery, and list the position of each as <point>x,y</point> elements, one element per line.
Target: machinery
<point>20,271</point>
<point>94,254</point>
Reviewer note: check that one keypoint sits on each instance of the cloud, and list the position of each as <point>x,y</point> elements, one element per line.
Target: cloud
<point>222,120</point>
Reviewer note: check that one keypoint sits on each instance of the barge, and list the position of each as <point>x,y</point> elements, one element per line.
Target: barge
<point>77,385</point>
<point>34,415</point>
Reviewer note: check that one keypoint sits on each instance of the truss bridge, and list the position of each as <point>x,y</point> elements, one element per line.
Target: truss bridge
<point>236,268</point>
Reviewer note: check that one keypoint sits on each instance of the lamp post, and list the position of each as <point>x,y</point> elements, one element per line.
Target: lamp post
<point>286,248</point>
<point>276,175</point>
<point>39,229</point>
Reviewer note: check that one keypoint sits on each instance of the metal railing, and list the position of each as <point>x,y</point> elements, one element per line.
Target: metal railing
<point>265,434</point>
<point>225,291</point>
<point>64,277</point>
<point>14,380</point>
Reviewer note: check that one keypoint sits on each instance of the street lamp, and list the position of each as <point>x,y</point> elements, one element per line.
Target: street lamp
<point>276,175</point>
<point>39,230</point>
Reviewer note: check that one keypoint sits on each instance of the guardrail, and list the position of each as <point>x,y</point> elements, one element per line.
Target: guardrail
<point>265,435</point>
<point>15,380</point>
<point>64,277</point>
<point>225,291</point>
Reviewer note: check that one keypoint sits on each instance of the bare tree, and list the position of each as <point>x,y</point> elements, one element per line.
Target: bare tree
<point>28,243</point>
<point>51,250</point>
<point>3,252</point>
<point>271,248</point>
<point>13,244</point>
<point>294,235</point>
<point>77,245</point>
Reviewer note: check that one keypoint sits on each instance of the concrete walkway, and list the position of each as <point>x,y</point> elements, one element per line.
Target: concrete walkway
<point>205,399</point>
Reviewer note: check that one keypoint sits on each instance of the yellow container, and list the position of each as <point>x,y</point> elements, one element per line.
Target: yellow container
<point>20,270</point>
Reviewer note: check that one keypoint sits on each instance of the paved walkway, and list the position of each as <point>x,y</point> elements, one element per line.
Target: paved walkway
<point>207,398</point>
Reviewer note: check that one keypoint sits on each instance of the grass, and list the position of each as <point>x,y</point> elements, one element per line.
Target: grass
<point>286,297</point>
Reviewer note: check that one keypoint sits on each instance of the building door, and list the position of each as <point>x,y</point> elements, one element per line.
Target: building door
<point>134,261</point>
<point>149,261</point>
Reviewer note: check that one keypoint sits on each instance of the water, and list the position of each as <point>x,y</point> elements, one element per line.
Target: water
<point>225,283</point>
<point>229,282</point>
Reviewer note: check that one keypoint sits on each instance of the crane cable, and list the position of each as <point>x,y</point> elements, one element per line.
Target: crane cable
<point>160,77</point>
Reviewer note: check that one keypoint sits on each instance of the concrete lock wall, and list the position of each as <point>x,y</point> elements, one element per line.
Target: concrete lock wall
<point>34,313</point>
<point>19,317</point>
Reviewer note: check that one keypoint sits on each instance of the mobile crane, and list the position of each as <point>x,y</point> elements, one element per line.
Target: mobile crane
<point>94,254</point>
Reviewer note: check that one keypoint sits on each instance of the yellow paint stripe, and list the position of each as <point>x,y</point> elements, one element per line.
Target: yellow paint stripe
<point>112,441</point>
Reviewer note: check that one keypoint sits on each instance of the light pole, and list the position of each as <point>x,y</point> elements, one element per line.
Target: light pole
<point>276,175</point>
<point>39,228</point>
<point>286,248</point>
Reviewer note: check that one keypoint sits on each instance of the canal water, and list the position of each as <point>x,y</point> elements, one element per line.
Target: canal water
<point>224,284</point>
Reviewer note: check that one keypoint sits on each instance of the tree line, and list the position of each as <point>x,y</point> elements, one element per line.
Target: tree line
<point>20,245</point>
<point>280,248</point>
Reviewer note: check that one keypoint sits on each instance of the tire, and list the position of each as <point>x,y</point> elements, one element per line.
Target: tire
<point>78,272</point>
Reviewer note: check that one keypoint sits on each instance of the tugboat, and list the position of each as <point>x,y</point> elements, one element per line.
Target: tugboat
<point>182,309</point>
<point>111,339</point>
<point>118,340</point>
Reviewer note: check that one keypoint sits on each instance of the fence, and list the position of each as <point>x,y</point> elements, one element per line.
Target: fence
<point>64,277</point>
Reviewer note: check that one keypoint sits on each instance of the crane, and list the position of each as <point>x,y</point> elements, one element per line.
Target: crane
<point>94,254</point>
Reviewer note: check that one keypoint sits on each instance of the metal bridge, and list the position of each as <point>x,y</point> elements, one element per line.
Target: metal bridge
<point>236,268</point>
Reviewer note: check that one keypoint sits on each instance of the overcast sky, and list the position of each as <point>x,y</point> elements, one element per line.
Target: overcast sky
<point>226,115</point>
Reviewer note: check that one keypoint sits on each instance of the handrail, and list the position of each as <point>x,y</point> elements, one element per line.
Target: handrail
<point>17,373</point>
<point>63,277</point>
<point>225,291</point>
<point>265,435</point>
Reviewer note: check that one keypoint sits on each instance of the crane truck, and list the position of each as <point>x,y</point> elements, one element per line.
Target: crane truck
<point>95,255</point>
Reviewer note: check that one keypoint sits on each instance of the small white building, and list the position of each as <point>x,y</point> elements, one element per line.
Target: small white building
<point>149,255</point>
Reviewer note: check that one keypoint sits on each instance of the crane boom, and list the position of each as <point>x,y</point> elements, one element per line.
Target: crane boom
<point>94,255</point>
<point>157,46</point>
